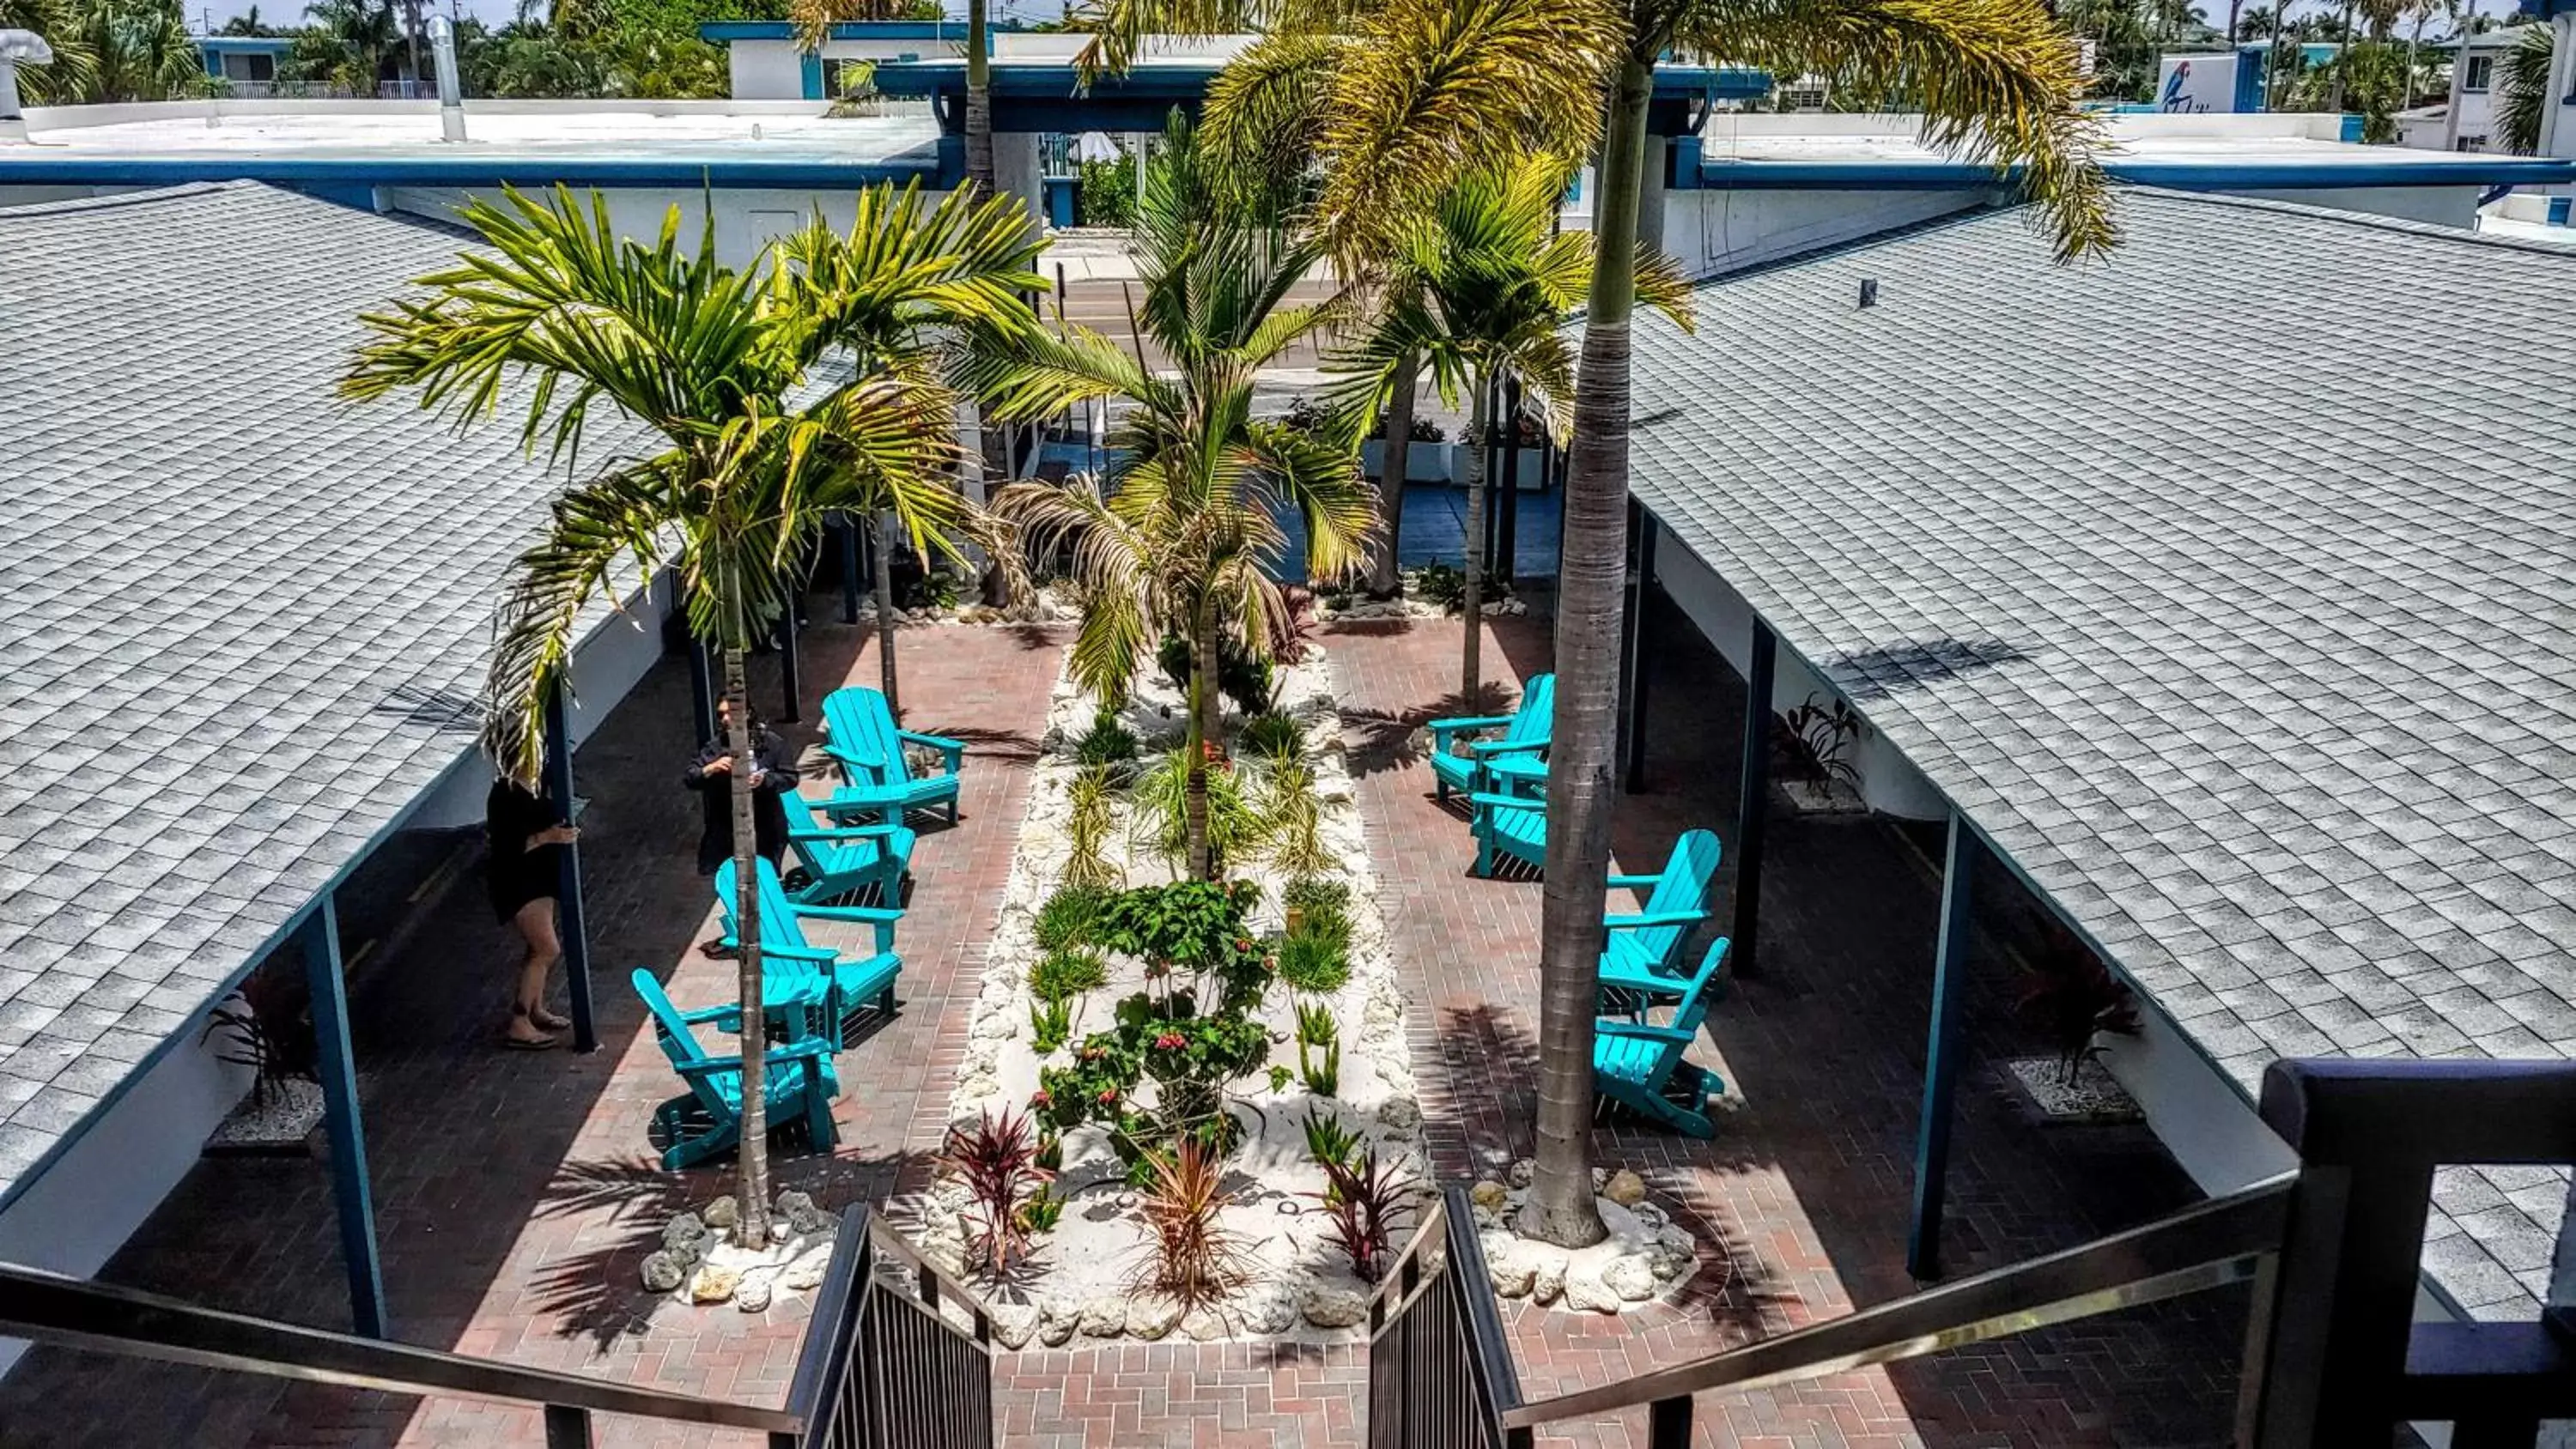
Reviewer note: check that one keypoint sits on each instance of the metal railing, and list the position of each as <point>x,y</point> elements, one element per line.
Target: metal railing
<point>2334,1357</point>
<point>879,1367</point>
<point>882,1367</point>
<point>1439,1369</point>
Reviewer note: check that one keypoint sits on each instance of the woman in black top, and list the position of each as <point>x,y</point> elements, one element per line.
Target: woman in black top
<point>772,777</point>
<point>528,835</point>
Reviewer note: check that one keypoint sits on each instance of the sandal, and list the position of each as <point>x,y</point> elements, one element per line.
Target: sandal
<point>547,1020</point>
<point>510,1042</point>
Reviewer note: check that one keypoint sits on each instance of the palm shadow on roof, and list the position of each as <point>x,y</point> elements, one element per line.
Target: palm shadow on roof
<point>441,711</point>
<point>1882,670</point>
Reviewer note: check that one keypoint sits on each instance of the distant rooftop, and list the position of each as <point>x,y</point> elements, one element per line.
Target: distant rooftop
<point>607,143</point>
<point>2244,636</point>
<point>1797,151</point>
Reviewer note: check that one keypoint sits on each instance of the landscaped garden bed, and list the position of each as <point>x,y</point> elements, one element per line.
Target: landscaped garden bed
<point>1159,1070</point>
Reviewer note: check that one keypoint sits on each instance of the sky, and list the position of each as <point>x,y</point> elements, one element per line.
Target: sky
<point>211,14</point>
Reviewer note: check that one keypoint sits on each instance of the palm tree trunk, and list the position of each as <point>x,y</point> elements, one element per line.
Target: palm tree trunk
<point>2342,60</point>
<point>979,101</point>
<point>1384,577</point>
<point>1479,421</point>
<point>1202,729</point>
<point>752,1192</point>
<point>1590,583</point>
<point>886,531</point>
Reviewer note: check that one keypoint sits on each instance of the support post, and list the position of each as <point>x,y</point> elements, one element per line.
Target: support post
<point>1508,544</point>
<point>1633,665</point>
<point>788,681</point>
<point>849,569</point>
<point>320,941</point>
<point>1668,1423</point>
<point>702,689</point>
<point>1941,1060</point>
<point>1753,807</point>
<point>567,1427</point>
<point>570,924</point>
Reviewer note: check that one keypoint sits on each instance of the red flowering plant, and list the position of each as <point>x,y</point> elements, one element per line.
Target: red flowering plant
<point>1190,1033</point>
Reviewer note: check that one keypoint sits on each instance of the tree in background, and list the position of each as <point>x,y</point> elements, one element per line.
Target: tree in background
<point>140,50</point>
<point>75,67</point>
<point>2125,52</point>
<point>2522,89</point>
<point>815,19</point>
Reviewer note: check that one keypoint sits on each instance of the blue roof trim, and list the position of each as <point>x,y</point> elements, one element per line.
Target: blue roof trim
<point>1188,80</point>
<point>721,32</point>
<point>1736,175</point>
<point>246,44</point>
<point>320,175</point>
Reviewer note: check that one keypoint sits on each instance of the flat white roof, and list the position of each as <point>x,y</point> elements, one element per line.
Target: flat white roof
<point>732,132</point>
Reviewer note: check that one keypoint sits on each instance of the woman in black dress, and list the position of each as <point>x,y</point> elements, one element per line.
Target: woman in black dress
<point>528,835</point>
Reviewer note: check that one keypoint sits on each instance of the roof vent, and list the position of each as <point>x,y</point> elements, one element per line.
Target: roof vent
<point>17,46</point>
<point>1869,291</point>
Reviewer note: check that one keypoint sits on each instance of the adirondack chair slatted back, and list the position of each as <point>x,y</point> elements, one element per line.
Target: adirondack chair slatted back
<point>680,1044</point>
<point>779,925</point>
<point>856,738</point>
<point>1692,1010</point>
<point>1536,717</point>
<point>1682,887</point>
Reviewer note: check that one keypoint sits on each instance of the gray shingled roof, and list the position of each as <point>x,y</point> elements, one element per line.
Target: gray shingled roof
<point>241,624</point>
<point>2239,619</point>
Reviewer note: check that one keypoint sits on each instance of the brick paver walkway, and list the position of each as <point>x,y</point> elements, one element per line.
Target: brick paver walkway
<point>515,1192</point>
<point>1804,1195</point>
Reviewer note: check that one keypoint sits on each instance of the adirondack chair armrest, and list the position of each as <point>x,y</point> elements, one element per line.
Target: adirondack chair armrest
<point>1510,802</point>
<point>1648,920</point>
<point>1635,882</point>
<point>724,1013</point>
<point>812,1046</point>
<point>885,915</point>
<point>942,743</point>
<point>840,832</point>
<point>819,954</point>
<point>1506,747</point>
<point>1643,1031</point>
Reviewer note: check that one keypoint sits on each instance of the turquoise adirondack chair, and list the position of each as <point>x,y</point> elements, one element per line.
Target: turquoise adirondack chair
<point>1510,821</point>
<point>1459,765</point>
<point>838,989</point>
<point>869,748</point>
<point>706,1120</point>
<point>842,861</point>
<point>1643,957</point>
<point>1640,1065</point>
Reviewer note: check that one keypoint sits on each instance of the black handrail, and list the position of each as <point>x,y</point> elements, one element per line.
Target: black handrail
<point>2222,1241</point>
<point>1440,1371</point>
<point>874,1354</point>
<point>50,1308</point>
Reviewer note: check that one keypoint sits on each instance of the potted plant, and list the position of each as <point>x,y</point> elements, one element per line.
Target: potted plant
<point>267,1027</point>
<point>1813,743</point>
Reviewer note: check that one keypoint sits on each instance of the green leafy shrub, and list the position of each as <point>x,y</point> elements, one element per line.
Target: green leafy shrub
<point>1280,1077</point>
<point>1327,1140</point>
<point>1441,586</point>
<point>1105,195</point>
<point>1292,818</point>
<point>1071,917</point>
<point>1319,1049</point>
<point>1312,965</point>
<point>1066,973</point>
<point>1050,1023</point>
<point>1190,1032</point>
<point>1245,680</point>
<point>1318,908</point>
<point>1272,736</point>
<point>1106,743</point>
<point>1042,1211</point>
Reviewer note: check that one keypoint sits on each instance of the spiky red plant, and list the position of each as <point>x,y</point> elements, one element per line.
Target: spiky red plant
<point>997,1159</point>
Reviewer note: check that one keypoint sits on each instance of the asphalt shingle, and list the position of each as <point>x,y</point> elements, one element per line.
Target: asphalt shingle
<point>241,622</point>
<point>2238,618</point>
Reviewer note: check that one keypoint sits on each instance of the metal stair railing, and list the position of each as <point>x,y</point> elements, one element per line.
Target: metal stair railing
<point>880,1365</point>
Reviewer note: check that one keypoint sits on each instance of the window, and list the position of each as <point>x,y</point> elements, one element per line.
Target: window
<point>848,76</point>
<point>2479,75</point>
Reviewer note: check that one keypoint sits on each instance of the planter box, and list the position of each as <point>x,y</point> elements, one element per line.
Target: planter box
<point>1423,462</point>
<point>2092,1098</point>
<point>281,1130</point>
<point>1835,800</point>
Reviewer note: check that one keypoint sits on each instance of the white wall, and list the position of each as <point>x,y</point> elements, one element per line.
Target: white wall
<point>2438,205</point>
<point>746,218</point>
<point>766,70</point>
<point>1713,231</point>
<point>1888,782</point>
<point>2199,1115</point>
<point>75,1216</point>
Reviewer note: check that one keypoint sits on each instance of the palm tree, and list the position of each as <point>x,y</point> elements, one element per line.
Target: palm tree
<point>687,365</point>
<point>1478,288</point>
<point>1995,79</point>
<point>1182,538</point>
<point>2522,89</point>
<point>73,75</point>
